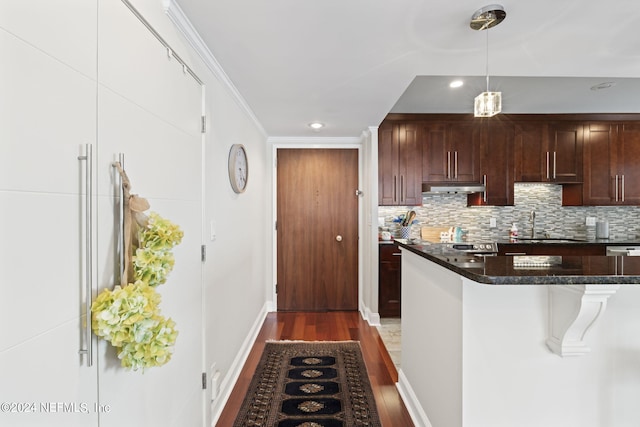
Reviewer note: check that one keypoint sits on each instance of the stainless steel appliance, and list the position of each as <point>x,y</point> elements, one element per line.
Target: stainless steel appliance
<point>482,248</point>
<point>467,255</point>
<point>623,250</point>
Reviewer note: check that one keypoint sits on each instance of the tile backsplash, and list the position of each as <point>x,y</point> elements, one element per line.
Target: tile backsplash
<point>443,210</point>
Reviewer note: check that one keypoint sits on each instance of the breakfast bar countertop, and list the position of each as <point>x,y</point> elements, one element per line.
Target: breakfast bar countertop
<point>537,270</point>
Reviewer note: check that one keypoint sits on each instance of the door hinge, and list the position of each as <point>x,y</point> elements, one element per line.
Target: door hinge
<point>359,193</point>
<point>204,124</point>
<point>203,253</point>
<point>276,288</point>
<point>276,225</point>
<point>204,380</point>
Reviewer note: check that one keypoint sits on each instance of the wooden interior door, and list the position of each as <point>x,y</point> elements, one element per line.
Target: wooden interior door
<point>317,229</point>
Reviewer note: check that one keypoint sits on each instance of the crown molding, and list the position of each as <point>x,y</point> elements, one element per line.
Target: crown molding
<point>180,20</point>
<point>312,141</point>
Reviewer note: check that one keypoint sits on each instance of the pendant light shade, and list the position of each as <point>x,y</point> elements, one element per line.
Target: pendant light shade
<point>487,104</point>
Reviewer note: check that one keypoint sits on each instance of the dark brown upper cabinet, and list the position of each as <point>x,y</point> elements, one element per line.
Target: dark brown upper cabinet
<point>496,163</point>
<point>548,152</point>
<point>399,165</point>
<point>451,152</point>
<point>611,164</point>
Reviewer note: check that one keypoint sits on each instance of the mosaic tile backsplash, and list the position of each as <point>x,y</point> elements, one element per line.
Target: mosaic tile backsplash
<point>445,210</point>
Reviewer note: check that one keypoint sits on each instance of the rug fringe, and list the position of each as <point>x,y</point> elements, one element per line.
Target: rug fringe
<point>304,341</point>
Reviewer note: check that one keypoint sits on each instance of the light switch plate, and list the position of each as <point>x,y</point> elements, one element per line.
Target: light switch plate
<point>492,222</point>
<point>591,221</point>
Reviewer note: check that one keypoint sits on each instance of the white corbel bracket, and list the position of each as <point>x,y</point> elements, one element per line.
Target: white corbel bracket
<point>573,309</point>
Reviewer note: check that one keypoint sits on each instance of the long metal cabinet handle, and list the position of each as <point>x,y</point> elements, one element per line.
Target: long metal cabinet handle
<point>448,164</point>
<point>548,176</point>
<point>616,188</point>
<point>395,189</point>
<point>484,193</point>
<point>622,187</point>
<point>88,157</point>
<point>554,165</point>
<point>121,216</point>
<point>455,165</point>
<point>402,195</point>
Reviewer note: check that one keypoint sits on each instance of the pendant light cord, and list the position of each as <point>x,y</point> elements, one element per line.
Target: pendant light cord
<point>487,58</point>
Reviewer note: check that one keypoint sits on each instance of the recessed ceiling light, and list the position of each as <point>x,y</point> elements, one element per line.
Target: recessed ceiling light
<point>605,85</point>
<point>316,125</point>
<point>456,83</point>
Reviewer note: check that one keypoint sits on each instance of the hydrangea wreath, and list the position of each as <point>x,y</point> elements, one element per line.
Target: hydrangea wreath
<point>129,316</point>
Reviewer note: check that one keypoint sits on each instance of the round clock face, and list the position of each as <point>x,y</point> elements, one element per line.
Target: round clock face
<point>238,168</point>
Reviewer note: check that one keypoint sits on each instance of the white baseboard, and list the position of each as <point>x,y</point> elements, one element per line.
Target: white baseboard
<point>371,317</point>
<point>229,381</point>
<point>418,416</point>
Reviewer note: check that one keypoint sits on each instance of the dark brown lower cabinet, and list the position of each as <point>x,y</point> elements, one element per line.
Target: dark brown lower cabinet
<point>389,280</point>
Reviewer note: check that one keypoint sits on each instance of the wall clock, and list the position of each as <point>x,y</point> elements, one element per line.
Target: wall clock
<point>238,168</point>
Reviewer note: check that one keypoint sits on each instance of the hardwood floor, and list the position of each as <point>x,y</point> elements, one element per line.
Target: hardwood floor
<point>328,326</point>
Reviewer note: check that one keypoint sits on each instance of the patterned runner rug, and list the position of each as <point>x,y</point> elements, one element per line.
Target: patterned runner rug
<point>309,384</point>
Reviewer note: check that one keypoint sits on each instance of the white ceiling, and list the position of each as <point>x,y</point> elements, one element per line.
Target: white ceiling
<point>347,63</point>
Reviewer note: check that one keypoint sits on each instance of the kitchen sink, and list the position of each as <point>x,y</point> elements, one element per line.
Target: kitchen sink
<point>549,240</point>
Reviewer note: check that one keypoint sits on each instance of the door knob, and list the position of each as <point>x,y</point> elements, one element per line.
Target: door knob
<point>339,238</point>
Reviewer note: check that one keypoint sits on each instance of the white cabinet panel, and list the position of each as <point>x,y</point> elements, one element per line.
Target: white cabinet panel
<point>48,112</point>
<point>159,158</point>
<point>143,72</point>
<point>162,392</point>
<point>64,29</point>
<point>41,312</point>
<point>150,110</point>
<point>41,271</point>
<point>46,371</point>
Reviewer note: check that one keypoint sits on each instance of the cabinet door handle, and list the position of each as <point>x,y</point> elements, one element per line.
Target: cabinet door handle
<point>484,193</point>
<point>616,186</point>
<point>455,165</point>
<point>395,189</point>
<point>397,254</point>
<point>88,158</point>
<point>554,165</point>
<point>622,187</point>
<point>402,195</point>
<point>548,176</point>
<point>448,164</point>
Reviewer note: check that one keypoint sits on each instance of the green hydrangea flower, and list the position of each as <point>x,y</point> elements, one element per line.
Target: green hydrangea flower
<point>152,267</point>
<point>129,317</point>
<point>160,234</point>
<point>152,344</point>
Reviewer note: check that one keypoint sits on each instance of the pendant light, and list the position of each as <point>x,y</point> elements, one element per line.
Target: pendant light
<point>487,104</point>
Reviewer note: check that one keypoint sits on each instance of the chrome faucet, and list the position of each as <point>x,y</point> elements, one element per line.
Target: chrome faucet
<point>533,224</point>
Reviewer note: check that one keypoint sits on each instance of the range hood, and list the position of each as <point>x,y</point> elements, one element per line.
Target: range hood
<point>453,188</point>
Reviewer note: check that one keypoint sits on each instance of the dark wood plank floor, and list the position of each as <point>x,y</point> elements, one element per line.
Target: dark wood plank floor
<point>331,326</point>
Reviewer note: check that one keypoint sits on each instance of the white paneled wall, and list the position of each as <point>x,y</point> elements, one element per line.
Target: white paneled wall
<point>75,74</point>
<point>48,112</point>
<point>87,71</point>
<point>149,109</point>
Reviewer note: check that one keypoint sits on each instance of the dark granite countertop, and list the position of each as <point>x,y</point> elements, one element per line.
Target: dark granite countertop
<point>537,270</point>
<point>631,241</point>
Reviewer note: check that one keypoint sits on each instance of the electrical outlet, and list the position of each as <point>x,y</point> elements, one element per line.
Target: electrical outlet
<point>215,385</point>
<point>492,222</point>
<point>591,221</point>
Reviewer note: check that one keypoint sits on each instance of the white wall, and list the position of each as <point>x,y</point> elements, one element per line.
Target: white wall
<point>39,197</point>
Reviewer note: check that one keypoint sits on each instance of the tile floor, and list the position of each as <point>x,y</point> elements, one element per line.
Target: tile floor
<point>389,331</point>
